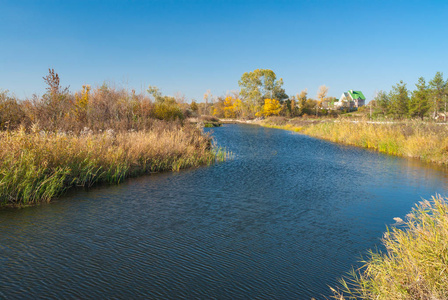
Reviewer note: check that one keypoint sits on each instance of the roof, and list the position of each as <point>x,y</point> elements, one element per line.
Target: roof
<point>357,95</point>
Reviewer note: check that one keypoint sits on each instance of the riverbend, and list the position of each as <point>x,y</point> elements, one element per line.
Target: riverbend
<point>284,219</point>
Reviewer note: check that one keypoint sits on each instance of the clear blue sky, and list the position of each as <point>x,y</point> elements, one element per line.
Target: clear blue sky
<point>192,46</point>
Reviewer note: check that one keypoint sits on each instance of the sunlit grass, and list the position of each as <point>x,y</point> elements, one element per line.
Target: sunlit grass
<point>426,141</point>
<point>415,265</point>
<point>36,166</point>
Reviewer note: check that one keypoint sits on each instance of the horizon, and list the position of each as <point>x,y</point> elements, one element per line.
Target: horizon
<point>189,47</point>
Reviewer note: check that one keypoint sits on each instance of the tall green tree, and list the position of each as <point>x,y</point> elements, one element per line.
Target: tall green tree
<point>399,97</point>
<point>420,104</point>
<point>261,84</point>
<point>438,93</point>
<point>382,104</point>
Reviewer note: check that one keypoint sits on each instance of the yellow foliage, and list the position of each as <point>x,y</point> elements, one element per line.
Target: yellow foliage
<point>232,107</point>
<point>82,102</point>
<point>271,107</point>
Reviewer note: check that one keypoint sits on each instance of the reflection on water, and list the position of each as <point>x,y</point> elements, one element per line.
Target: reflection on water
<point>284,219</point>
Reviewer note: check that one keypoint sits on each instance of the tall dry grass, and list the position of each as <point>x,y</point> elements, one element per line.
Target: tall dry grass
<point>426,141</point>
<point>36,166</point>
<point>415,265</point>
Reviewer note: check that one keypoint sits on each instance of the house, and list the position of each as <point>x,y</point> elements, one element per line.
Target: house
<point>351,99</point>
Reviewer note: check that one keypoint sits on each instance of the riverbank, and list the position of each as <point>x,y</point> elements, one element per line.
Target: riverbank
<point>415,264</point>
<point>425,141</point>
<point>37,166</point>
<point>416,259</point>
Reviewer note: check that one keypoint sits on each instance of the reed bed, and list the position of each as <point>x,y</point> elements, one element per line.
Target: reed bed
<point>36,166</point>
<point>426,141</point>
<point>415,264</point>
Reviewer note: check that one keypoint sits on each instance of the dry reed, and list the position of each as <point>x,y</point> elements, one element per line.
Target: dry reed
<point>415,264</point>
<point>426,141</point>
<point>36,166</point>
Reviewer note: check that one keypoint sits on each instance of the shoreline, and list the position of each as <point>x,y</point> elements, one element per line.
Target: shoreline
<point>38,166</point>
<point>427,142</point>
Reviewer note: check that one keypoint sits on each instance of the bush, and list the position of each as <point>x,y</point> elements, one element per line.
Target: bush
<point>11,112</point>
<point>168,111</point>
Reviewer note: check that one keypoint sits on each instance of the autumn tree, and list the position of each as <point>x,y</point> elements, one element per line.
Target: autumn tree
<point>289,107</point>
<point>321,94</point>
<point>81,103</point>
<point>54,101</point>
<point>207,98</point>
<point>11,112</point>
<point>194,106</point>
<point>166,107</point>
<point>302,99</point>
<point>261,84</point>
<point>271,107</point>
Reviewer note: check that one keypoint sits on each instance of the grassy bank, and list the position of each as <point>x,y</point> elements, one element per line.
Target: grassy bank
<point>426,141</point>
<point>416,262</point>
<point>36,166</point>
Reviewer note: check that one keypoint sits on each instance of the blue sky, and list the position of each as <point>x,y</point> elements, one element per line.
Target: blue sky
<point>192,46</point>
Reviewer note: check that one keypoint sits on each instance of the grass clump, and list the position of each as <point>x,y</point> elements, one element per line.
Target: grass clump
<point>37,166</point>
<point>415,265</point>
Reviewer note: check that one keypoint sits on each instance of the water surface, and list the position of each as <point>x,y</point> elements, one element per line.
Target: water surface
<point>284,219</point>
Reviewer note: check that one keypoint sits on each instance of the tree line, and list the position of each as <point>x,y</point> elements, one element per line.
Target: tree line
<point>428,100</point>
<point>261,94</point>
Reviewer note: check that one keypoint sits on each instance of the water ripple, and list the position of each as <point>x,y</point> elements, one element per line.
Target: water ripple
<point>283,220</point>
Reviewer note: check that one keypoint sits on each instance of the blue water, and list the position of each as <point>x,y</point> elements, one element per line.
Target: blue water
<point>284,219</point>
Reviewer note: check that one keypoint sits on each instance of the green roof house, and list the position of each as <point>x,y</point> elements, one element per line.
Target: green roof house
<point>351,99</point>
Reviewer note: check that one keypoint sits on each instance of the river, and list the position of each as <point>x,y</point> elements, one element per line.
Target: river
<point>284,219</point>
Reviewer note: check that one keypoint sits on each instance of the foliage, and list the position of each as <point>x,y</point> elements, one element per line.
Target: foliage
<point>426,99</point>
<point>438,91</point>
<point>11,112</point>
<point>271,107</point>
<point>81,104</point>
<point>165,108</point>
<point>321,95</point>
<point>302,99</point>
<point>382,104</point>
<point>261,84</point>
<point>194,106</point>
<point>416,261</point>
<point>399,99</point>
<point>419,105</point>
<point>168,110</point>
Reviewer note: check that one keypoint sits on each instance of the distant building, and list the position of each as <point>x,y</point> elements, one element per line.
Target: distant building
<point>351,99</point>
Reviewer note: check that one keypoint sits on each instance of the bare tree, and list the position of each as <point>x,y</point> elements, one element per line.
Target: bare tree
<point>207,96</point>
<point>321,94</point>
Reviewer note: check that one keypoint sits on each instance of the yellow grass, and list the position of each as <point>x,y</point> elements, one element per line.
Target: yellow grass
<point>415,265</point>
<point>37,166</point>
<point>426,141</point>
